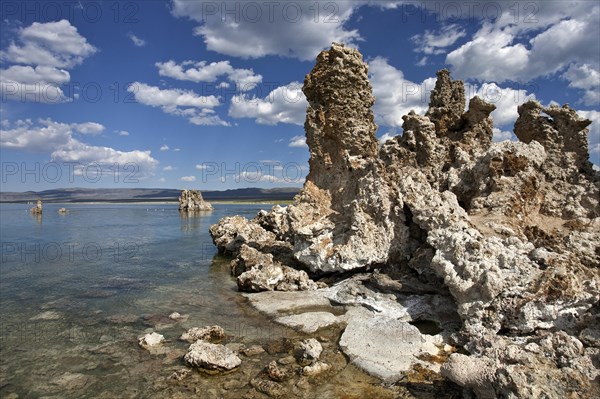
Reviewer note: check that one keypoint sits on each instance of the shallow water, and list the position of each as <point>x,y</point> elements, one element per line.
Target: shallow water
<point>77,290</point>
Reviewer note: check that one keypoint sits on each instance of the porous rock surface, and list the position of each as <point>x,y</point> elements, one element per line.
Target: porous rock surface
<point>209,356</point>
<point>508,232</point>
<point>209,333</point>
<point>192,201</point>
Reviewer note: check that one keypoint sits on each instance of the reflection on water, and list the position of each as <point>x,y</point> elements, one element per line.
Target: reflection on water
<point>192,220</point>
<point>36,216</point>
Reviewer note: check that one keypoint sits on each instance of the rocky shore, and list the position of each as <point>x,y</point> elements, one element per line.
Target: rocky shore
<point>439,253</point>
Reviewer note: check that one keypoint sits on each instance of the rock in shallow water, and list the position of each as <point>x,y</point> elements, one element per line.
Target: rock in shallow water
<point>315,369</point>
<point>210,333</point>
<point>270,388</point>
<point>386,348</point>
<point>309,322</point>
<point>211,356</point>
<point>151,340</point>
<point>275,372</point>
<point>308,351</point>
<point>192,201</point>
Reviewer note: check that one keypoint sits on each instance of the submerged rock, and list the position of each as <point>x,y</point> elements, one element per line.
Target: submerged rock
<point>269,388</point>
<point>192,201</point>
<point>150,340</point>
<point>308,351</point>
<point>210,334</point>
<point>504,235</point>
<point>254,350</point>
<point>315,369</point>
<point>275,372</point>
<point>386,348</point>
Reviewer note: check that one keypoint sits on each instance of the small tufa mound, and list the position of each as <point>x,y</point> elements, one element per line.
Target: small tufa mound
<point>37,210</point>
<point>192,201</point>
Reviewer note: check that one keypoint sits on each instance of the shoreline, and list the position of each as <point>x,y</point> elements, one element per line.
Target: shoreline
<point>227,202</point>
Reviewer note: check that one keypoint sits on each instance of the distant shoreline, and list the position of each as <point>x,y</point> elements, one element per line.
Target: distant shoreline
<point>155,202</point>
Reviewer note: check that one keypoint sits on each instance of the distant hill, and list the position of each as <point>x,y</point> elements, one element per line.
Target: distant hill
<point>146,195</point>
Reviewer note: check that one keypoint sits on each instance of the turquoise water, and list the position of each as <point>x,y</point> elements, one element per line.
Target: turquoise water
<point>77,290</point>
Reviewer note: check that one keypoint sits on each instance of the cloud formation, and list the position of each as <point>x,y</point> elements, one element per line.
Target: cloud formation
<point>61,140</point>
<point>298,141</point>
<point>560,37</point>
<point>284,104</point>
<point>44,52</point>
<point>431,42</point>
<point>136,40</point>
<point>297,29</point>
<point>202,71</point>
<point>396,96</point>
<point>186,103</point>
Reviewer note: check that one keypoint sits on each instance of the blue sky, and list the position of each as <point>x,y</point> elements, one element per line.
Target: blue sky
<point>202,94</point>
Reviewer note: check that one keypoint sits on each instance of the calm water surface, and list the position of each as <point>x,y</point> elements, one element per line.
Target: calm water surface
<point>77,290</point>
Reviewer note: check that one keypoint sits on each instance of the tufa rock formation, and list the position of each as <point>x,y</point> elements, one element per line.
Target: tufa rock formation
<point>37,210</point>
<point>508,233</point>
<point>192,201</point>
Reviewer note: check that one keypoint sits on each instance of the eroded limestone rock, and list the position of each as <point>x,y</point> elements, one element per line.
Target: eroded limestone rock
<point>258,271</point>
<point>209,333</point>
<point>211,356</point>
<point>308,351</point>
<point>192,201</point>
<point>505,235</point>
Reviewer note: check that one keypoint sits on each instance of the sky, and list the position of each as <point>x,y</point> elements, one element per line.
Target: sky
<point>207,94</point>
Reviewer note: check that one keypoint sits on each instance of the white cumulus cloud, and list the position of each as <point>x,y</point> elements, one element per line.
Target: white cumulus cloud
<point>298,29</point>
<point>502,135</point>
<point>186,103</point>
<point>298,141</point>
<point>396,96</point>
<point>60,139</point>
<point>561,34</point>
<point>587,78</point>
<point>55,44</point>
<point>43,51</point>
<point>506,100</point>
<point>386,136</point>
<point>431,42</point>
<point>202,71</point>
<point>285,104</point>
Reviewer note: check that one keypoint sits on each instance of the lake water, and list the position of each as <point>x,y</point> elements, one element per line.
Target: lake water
<point>77,290</point>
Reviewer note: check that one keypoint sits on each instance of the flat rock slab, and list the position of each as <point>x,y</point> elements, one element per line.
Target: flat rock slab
<point>385,348</point>
<point>309,322</point>
<point>276,303</point>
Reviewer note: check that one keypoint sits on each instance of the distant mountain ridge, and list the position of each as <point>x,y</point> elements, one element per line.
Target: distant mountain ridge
<point>145,195</point>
